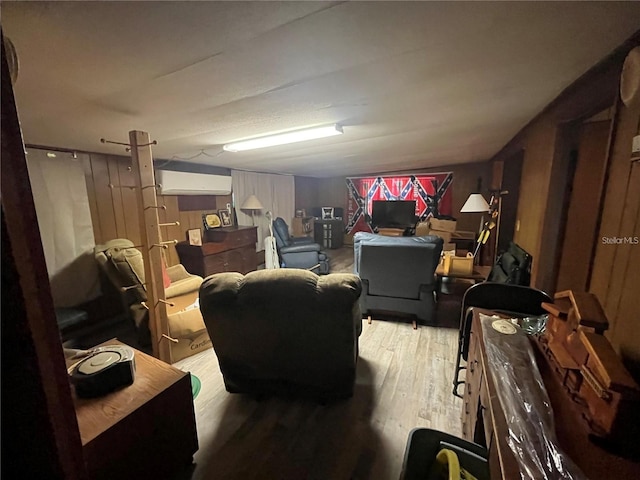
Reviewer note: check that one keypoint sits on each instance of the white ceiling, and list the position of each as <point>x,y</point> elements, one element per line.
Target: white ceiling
<point>414,84</point>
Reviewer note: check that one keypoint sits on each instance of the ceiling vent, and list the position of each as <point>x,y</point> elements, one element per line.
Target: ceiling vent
<point>187,183</point>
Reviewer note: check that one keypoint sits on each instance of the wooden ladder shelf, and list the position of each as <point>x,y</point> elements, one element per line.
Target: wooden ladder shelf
<point>152,244</point>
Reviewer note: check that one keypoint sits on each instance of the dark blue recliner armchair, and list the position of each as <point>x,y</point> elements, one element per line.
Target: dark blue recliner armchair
<point>298,252</point>
<point>397,273</point>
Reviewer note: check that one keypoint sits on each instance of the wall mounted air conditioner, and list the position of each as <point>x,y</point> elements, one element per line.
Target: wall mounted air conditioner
<point>186,183</point>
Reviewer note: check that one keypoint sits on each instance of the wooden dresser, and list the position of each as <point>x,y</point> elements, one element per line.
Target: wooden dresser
<point>228,249</point>
<point>483,420</point>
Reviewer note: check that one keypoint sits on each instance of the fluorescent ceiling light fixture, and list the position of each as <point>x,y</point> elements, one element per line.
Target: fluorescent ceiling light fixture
<point>284,138</point>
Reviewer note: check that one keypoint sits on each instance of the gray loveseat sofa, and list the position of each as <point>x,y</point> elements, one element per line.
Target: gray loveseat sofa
<point>397,273</point>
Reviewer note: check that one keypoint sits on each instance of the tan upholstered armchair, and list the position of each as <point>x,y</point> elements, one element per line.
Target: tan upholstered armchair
<point>123,265</point>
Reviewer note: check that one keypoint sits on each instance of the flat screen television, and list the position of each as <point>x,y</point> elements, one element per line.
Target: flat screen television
<point>393,213</point>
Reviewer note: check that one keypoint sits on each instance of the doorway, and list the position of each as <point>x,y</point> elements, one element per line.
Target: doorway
<point>511,173</point>
<point>583,205</point>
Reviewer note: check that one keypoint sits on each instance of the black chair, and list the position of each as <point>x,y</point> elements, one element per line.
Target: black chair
<point>501,297</point>
<point>512,266</point>
<point>298,252</point>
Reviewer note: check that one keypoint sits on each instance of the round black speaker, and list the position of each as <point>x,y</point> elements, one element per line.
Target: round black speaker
<point>105,370</point>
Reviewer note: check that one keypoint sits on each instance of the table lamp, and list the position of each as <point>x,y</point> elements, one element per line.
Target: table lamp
<point>252,203</point>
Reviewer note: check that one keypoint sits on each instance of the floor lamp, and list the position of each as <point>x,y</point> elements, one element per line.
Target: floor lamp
<point>252,203</point>
<point>477,204</point>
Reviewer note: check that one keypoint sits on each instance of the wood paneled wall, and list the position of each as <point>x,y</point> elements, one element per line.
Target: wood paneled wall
<point>541,141</point>
<point>307,192</point>
<point>114,211</point>
<point>333,191</point>
<point>615,277</point>
<point>615,272</point>
<point>585,199</point>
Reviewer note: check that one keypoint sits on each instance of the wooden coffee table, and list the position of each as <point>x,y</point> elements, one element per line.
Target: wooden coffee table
<point>479,274</point>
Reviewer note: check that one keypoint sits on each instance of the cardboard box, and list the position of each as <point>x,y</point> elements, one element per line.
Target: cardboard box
<point>391,232</point>
<point>187,327</point>
<point>449,247</point>
<point>422,229</point>
<point>464,235</point>
<point>181,302</point>
<point>454,265</point>
<point>348,239</point>
<point>443,225</point>
<point>446,236</point>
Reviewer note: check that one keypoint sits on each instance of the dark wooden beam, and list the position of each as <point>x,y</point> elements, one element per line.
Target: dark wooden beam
<point>39,425</point>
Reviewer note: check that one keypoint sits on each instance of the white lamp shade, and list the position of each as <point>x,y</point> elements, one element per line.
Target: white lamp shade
<point>475,203</point>
<point>251,203</point>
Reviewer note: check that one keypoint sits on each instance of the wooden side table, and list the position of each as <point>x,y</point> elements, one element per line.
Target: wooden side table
<point>479,274</point>
<point>145,430</point>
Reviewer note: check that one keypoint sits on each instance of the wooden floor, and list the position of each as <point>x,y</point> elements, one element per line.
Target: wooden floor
<point>403,381</point>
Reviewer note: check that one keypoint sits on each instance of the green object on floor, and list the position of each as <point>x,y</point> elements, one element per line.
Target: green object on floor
<point>195,386</point>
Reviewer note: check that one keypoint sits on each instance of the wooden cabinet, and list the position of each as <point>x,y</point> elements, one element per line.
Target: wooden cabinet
<point>241,260</point>
<point>481,411</point>
<point>329,233</point>
<point>230,249</point>
<point>472,420</point>
<point>145,430</point>
<point>484,422</point>
<point>302,226</point>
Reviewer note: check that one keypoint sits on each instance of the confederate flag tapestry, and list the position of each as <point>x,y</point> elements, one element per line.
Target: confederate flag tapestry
<point>431,191</point>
